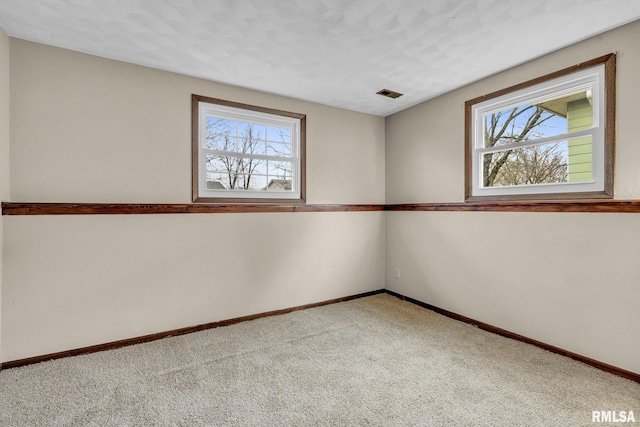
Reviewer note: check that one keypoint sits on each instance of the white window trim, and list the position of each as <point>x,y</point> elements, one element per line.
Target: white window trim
<point>593,76</point>
<point>209,107</point>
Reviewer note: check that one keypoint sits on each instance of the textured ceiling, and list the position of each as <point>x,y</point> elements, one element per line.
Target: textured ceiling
<point>334,52</point>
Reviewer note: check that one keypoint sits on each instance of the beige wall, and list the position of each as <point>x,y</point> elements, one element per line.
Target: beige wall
<point>570,280</point>
<point>4,143</point>
<point>87,129</point>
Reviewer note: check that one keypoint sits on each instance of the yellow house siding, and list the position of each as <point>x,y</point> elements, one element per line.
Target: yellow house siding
<point>579,117</point>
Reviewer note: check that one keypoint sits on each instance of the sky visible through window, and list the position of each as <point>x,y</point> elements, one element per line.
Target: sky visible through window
<point>550,124</point>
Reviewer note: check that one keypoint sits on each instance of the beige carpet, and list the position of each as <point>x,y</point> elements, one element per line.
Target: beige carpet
<point>376,361</point>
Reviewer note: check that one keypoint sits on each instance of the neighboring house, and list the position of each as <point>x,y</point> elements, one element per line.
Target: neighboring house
<point>279,185</point>
<point>215,185</point>
<point>577,109</point>
<point>579,117</point>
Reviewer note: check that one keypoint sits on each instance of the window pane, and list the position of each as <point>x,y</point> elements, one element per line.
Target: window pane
<point>279,169</point>
<point>218,133</point>
<point>283,184</point>
<point>280,150</point>
<point>278,134</point>
<point>217,163</point>
<point>241,128</point>
<point>540,164</point>
<point>253,166</point>
<point>251,146</point>
<point>252,131</point>
<point>215,182</point>
<point>235,181</point>
<point>216,125</point>
<point>217,142</point>
<point>254,182</point>
<point>230,144</point>
<point>245,181</point>
<point>223,178</point>
<point>547,118</point>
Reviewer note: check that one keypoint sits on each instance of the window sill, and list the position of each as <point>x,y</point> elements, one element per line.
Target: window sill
<point>245,200</point>
<point>592,196</point>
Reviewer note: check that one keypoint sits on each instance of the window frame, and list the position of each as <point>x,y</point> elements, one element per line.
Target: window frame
<point>526,92</point>
<point>263,115</point>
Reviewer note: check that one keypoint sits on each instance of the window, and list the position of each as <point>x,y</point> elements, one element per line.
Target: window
<point>550,138</point>
<point>244,153</point>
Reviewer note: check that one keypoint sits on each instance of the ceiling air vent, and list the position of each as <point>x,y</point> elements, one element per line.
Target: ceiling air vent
<point>389,93</point>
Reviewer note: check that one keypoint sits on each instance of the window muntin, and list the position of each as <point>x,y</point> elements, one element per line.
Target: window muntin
<point>247,153</point>
<point>543,139</point>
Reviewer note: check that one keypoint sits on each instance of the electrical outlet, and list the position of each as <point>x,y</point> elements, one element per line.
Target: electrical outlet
<point>396,273</point>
